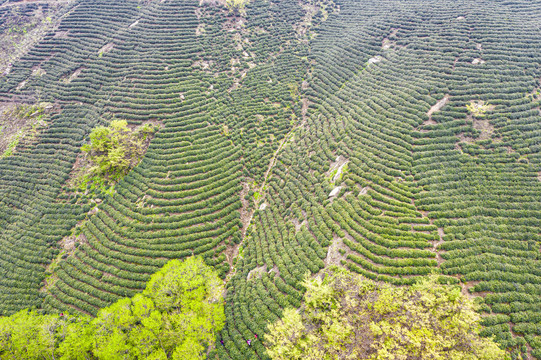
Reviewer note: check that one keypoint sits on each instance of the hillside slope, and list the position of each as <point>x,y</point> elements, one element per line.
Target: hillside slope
<point>397,138</point>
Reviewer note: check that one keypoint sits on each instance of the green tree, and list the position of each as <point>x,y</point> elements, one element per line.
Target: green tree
<point>29,335</point>
<point>176,317</point>
<point>115,149</point>
<point>77,339</point>
<point>195,312</point>
<point>348,317</point>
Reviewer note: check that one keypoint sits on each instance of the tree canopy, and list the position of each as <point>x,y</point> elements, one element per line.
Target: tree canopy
<point>236,4</point>
<point>345,316</point>
<point>176,317</point>
<point>115,149</point>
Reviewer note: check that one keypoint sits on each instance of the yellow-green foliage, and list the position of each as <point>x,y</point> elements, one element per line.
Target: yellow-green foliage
<point>236,4</point>
<point>257,196</point>
<point>176,317</point>
<point>115,149</point>
<point>477,109</point>
<point>348,317</point>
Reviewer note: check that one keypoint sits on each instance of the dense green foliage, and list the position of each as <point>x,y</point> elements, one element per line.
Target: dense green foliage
<point>114,150</point>
<point>345,316</point>
<point>176,317</point>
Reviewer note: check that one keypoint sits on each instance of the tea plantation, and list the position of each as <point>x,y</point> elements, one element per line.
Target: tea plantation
<point>396,138</point>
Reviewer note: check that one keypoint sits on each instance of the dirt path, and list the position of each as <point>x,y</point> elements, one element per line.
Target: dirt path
<point>233,252</point>
<point>273,160</point>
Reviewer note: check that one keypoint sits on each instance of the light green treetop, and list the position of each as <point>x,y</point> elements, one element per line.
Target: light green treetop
<point>176,317</point>
<point>236,4</point>
<point>115,149</point>
<point>348,317</point>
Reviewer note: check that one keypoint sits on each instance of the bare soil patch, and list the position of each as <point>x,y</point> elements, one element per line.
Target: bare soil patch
<point>338,166</point>
<point>335,191</point>
<point>38,71</point>
<point>334,257</point>
<point>454,63</point>
<point>200,30</point>
<point>211,2</point>
<point>465,139</point>
<point>304,109</point>
<point>387,42</point>
<point>478,61</point>
<point>441,234</point>
<point>106,48</point>
<point>375,60</point>
<point>8,124</point>
<point>257,272</point>
<point>469,285</point>
<point>298,225</point>
<point>302,28</point>
<point>61,34</point>
<point>203,64</point>
<point>485,127</point>
<point>245,213</point>
<point>437,107</point>
<point>69,242</point>
<point>74,75</point>
<point>235,86</point>
<point>275,270</point>
<point>234,23</point>
<point>21,85</point>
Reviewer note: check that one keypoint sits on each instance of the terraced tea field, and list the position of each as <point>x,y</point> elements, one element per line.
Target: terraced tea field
<point>396,138</point>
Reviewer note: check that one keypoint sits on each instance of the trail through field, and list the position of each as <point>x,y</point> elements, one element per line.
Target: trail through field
<point>273,160</point>
<point>440,230</point>
<point>233,252</point>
